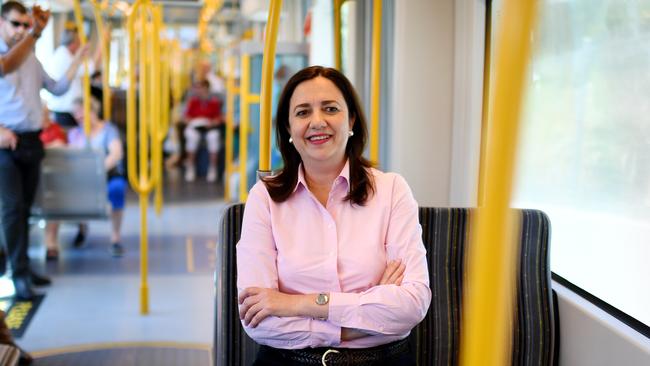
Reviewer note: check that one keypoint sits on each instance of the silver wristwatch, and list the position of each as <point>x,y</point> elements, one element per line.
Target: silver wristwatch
<point>322,299</point>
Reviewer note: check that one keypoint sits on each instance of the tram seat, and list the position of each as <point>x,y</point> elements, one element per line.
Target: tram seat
<point>9,355</point>
<point>72,186</point>
<point>436,339</point>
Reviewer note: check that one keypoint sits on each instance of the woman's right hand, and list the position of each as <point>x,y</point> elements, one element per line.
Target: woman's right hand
<point>394,273</point>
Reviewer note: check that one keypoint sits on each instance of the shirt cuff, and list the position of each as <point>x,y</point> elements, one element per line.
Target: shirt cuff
<point>344,308</point>
<point>331,334</point>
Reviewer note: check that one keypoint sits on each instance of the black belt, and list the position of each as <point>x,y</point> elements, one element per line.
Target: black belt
<point>340,356</point>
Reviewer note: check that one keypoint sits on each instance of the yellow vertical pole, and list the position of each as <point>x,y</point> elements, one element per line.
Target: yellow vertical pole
<point>244,89</point>
<point>375,80</point>
<point>488,308</point>
<point>231,92</point>
<point>177,72</point>
<point>119,75</point>
<point>164,117</point>
<point>104,43</point>
<point>485,123</point>
<point>338,58</point>
<point>267,84</point>
<point>78,15</point>
<point>106,60</point>
<point>141,177</point>
<point>144,122</point>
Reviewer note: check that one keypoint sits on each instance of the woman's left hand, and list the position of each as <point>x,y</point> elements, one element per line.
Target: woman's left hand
<point>256,303</point>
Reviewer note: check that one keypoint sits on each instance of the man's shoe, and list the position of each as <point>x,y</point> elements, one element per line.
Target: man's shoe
<point>23,289</point>
<point>39,280</point>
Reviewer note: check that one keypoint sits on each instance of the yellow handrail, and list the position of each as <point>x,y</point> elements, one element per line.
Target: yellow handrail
<point>488,308</point>
<point>141,177</point>
<point>244,89</point>
<point>164,115</point>
<point>104,43</point>
<point>177,72</point>
<point>158,105</point>
<point>231,92</point>
<point>375,81</point>
<point>338,58</point>
<point>485,123</point>
<point>267,84</point>
<point>78,15</point>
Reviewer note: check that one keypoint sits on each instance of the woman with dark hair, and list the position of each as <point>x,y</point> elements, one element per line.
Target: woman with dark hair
<point>330,264</point>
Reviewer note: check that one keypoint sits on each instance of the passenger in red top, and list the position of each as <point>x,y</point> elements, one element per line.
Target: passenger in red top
<point>53,135</point>
<point>203,115</point>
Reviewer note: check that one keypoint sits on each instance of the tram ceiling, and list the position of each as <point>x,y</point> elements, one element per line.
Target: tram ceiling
<point>175,11</point>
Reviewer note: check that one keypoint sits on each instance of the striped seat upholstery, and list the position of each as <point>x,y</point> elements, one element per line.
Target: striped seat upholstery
<point>445,232</point>
<point>436,340</point>
<point>232,346</point>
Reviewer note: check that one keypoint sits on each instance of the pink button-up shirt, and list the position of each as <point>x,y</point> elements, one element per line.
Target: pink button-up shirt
<point>299,247</point>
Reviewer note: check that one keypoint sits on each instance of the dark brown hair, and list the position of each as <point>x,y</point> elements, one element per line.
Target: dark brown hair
<point>281,186</point>
<point>12,5</point>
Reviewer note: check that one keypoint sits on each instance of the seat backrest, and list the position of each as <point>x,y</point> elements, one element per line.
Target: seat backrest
<point>232,346</point>
<point>445,233</point>
<point>72,185</point>
<point>436,339</point>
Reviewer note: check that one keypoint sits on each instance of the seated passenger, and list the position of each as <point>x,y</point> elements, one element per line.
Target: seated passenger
<point>330,264</point>
<point>52,136</point>
<point>203,114</point>
<point>104,136</point>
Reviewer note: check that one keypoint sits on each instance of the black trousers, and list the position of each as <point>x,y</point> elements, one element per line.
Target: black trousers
<point>19,174</point>
<point>65,120</point>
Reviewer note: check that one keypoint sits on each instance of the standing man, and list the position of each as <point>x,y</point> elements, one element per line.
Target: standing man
<point>62,105</point>
<point>21,150</point>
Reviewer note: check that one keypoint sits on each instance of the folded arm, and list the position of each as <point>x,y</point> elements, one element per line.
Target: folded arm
<point>256,270</point>
<point>392,309</point>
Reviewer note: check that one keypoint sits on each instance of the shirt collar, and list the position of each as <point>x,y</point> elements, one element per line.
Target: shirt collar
<point>344,176</point>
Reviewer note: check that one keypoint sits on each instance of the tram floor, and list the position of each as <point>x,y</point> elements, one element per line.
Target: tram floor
<point>95,299</point>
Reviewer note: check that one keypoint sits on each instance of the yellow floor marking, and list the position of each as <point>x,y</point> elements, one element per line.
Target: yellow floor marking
<point>189,250</point>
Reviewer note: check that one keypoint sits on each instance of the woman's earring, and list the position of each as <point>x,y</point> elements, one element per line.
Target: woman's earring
<point>291,140</point>
<point>351,133</point>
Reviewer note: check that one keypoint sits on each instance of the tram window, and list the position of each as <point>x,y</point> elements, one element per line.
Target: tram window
<point>585,146</point>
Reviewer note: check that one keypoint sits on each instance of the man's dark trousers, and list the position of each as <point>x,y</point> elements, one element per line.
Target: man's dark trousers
<point>19,174</point>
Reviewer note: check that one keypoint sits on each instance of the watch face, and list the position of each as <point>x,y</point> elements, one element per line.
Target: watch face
<point>322,299</point>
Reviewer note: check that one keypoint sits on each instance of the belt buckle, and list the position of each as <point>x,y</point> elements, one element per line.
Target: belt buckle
<point>323,361</point>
